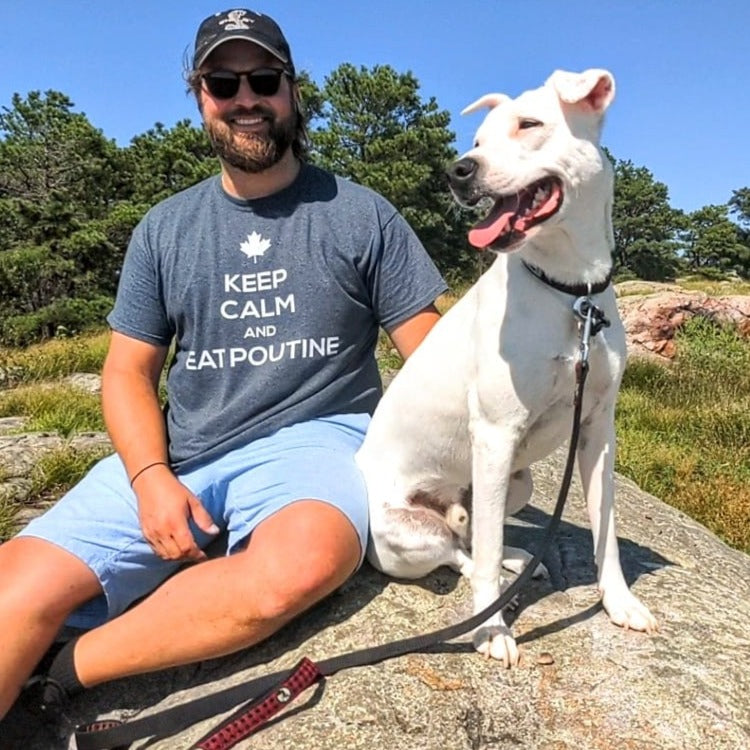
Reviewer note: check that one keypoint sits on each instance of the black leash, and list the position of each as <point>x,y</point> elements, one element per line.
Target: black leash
<point>270,693</point>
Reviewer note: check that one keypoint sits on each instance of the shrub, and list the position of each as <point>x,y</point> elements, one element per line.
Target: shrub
<point>65,317</point>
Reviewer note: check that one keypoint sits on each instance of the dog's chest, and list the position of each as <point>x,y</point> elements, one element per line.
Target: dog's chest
<point>526,370</point>
<point>547,399</point>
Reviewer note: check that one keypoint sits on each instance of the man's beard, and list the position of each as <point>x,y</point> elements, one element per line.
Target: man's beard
<point>252,152</point>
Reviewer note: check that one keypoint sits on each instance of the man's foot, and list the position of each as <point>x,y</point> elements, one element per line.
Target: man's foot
<point>37,714</point>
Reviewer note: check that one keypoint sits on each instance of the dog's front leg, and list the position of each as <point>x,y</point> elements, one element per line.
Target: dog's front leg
<point>491,471</point>
<point>596,457</point>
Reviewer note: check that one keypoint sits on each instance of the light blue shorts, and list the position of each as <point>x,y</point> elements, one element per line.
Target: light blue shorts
<point>97,520</point>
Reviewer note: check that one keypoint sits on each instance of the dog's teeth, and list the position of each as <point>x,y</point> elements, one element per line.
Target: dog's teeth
<point>539,197</point>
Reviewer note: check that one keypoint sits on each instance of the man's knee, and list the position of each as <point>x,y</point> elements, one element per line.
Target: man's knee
<point>293,594</point>
<point>43,580</point>
<point>306,551</point>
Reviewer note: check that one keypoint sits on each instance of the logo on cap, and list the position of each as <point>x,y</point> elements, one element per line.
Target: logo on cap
<point>236,20</point>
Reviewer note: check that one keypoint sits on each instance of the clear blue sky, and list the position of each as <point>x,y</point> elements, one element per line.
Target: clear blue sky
<point>682,66</point>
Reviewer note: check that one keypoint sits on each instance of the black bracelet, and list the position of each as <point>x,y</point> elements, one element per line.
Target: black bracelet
<point>148,466</point>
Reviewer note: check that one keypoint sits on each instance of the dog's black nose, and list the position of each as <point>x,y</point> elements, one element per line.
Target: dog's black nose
<point>462,171</point>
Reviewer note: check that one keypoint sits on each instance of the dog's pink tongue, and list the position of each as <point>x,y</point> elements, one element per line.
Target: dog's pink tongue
<point>497,223</point>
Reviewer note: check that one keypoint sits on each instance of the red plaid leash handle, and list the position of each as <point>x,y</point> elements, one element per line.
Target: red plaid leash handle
<point>252,716</point>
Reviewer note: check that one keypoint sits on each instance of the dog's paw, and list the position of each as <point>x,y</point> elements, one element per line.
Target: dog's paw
<point>629,612</point>
<point>516,559</point>
<point>462,563</point>
<point>497,642</point>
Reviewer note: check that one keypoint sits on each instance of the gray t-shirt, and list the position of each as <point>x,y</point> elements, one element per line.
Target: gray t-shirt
<point>274,305</point>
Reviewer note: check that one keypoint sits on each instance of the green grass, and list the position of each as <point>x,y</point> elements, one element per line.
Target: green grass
<point>715,288</point>
<point>53,474</point>
<point>58,470</point>
<point>53,359</point>
<point>684,430</point>
<point>389,360</point>
<point>26,390</point>
<point>61,409</point>
<point>8,510</point>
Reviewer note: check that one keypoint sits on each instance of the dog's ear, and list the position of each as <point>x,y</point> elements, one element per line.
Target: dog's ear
<point>594,88</point>
<point>488,100</point>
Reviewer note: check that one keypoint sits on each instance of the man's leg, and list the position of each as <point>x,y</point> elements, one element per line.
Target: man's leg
<point>90,539</point>
<point>294,558</point>
<point>40,585</point>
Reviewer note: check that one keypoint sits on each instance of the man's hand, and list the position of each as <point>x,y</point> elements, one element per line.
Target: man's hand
<point>165,506</point>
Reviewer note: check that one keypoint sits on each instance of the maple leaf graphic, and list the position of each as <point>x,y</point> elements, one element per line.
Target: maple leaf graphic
<point>254,246</point>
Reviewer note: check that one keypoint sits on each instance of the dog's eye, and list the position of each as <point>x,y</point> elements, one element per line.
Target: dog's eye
<point>527,123</point>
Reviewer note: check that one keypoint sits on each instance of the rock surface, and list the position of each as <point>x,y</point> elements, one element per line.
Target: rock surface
<point>652,314</point>
<point>583,683</point>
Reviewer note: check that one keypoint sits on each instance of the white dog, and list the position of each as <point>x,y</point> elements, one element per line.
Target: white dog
<point>490,390</point>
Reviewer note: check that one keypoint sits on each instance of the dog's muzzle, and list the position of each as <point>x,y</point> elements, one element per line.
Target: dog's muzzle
<point>513,214</point>
<point>461,177</point>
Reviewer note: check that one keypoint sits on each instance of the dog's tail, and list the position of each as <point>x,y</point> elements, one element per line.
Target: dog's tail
<point>457,519</point>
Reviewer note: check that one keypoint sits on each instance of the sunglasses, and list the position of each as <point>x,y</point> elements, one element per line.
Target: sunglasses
<point>224,84</point>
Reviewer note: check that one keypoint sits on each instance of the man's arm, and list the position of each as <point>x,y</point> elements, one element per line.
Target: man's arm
<point>130,401</point>
<point>407,336</point>
<point>135,422</point>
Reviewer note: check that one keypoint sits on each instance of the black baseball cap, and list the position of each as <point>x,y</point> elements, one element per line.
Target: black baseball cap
<point>241,24</point>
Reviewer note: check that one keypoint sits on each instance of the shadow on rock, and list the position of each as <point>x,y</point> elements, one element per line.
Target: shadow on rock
<point>570,562</point>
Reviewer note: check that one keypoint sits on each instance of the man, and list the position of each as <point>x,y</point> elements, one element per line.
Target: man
<point>271,280</point>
